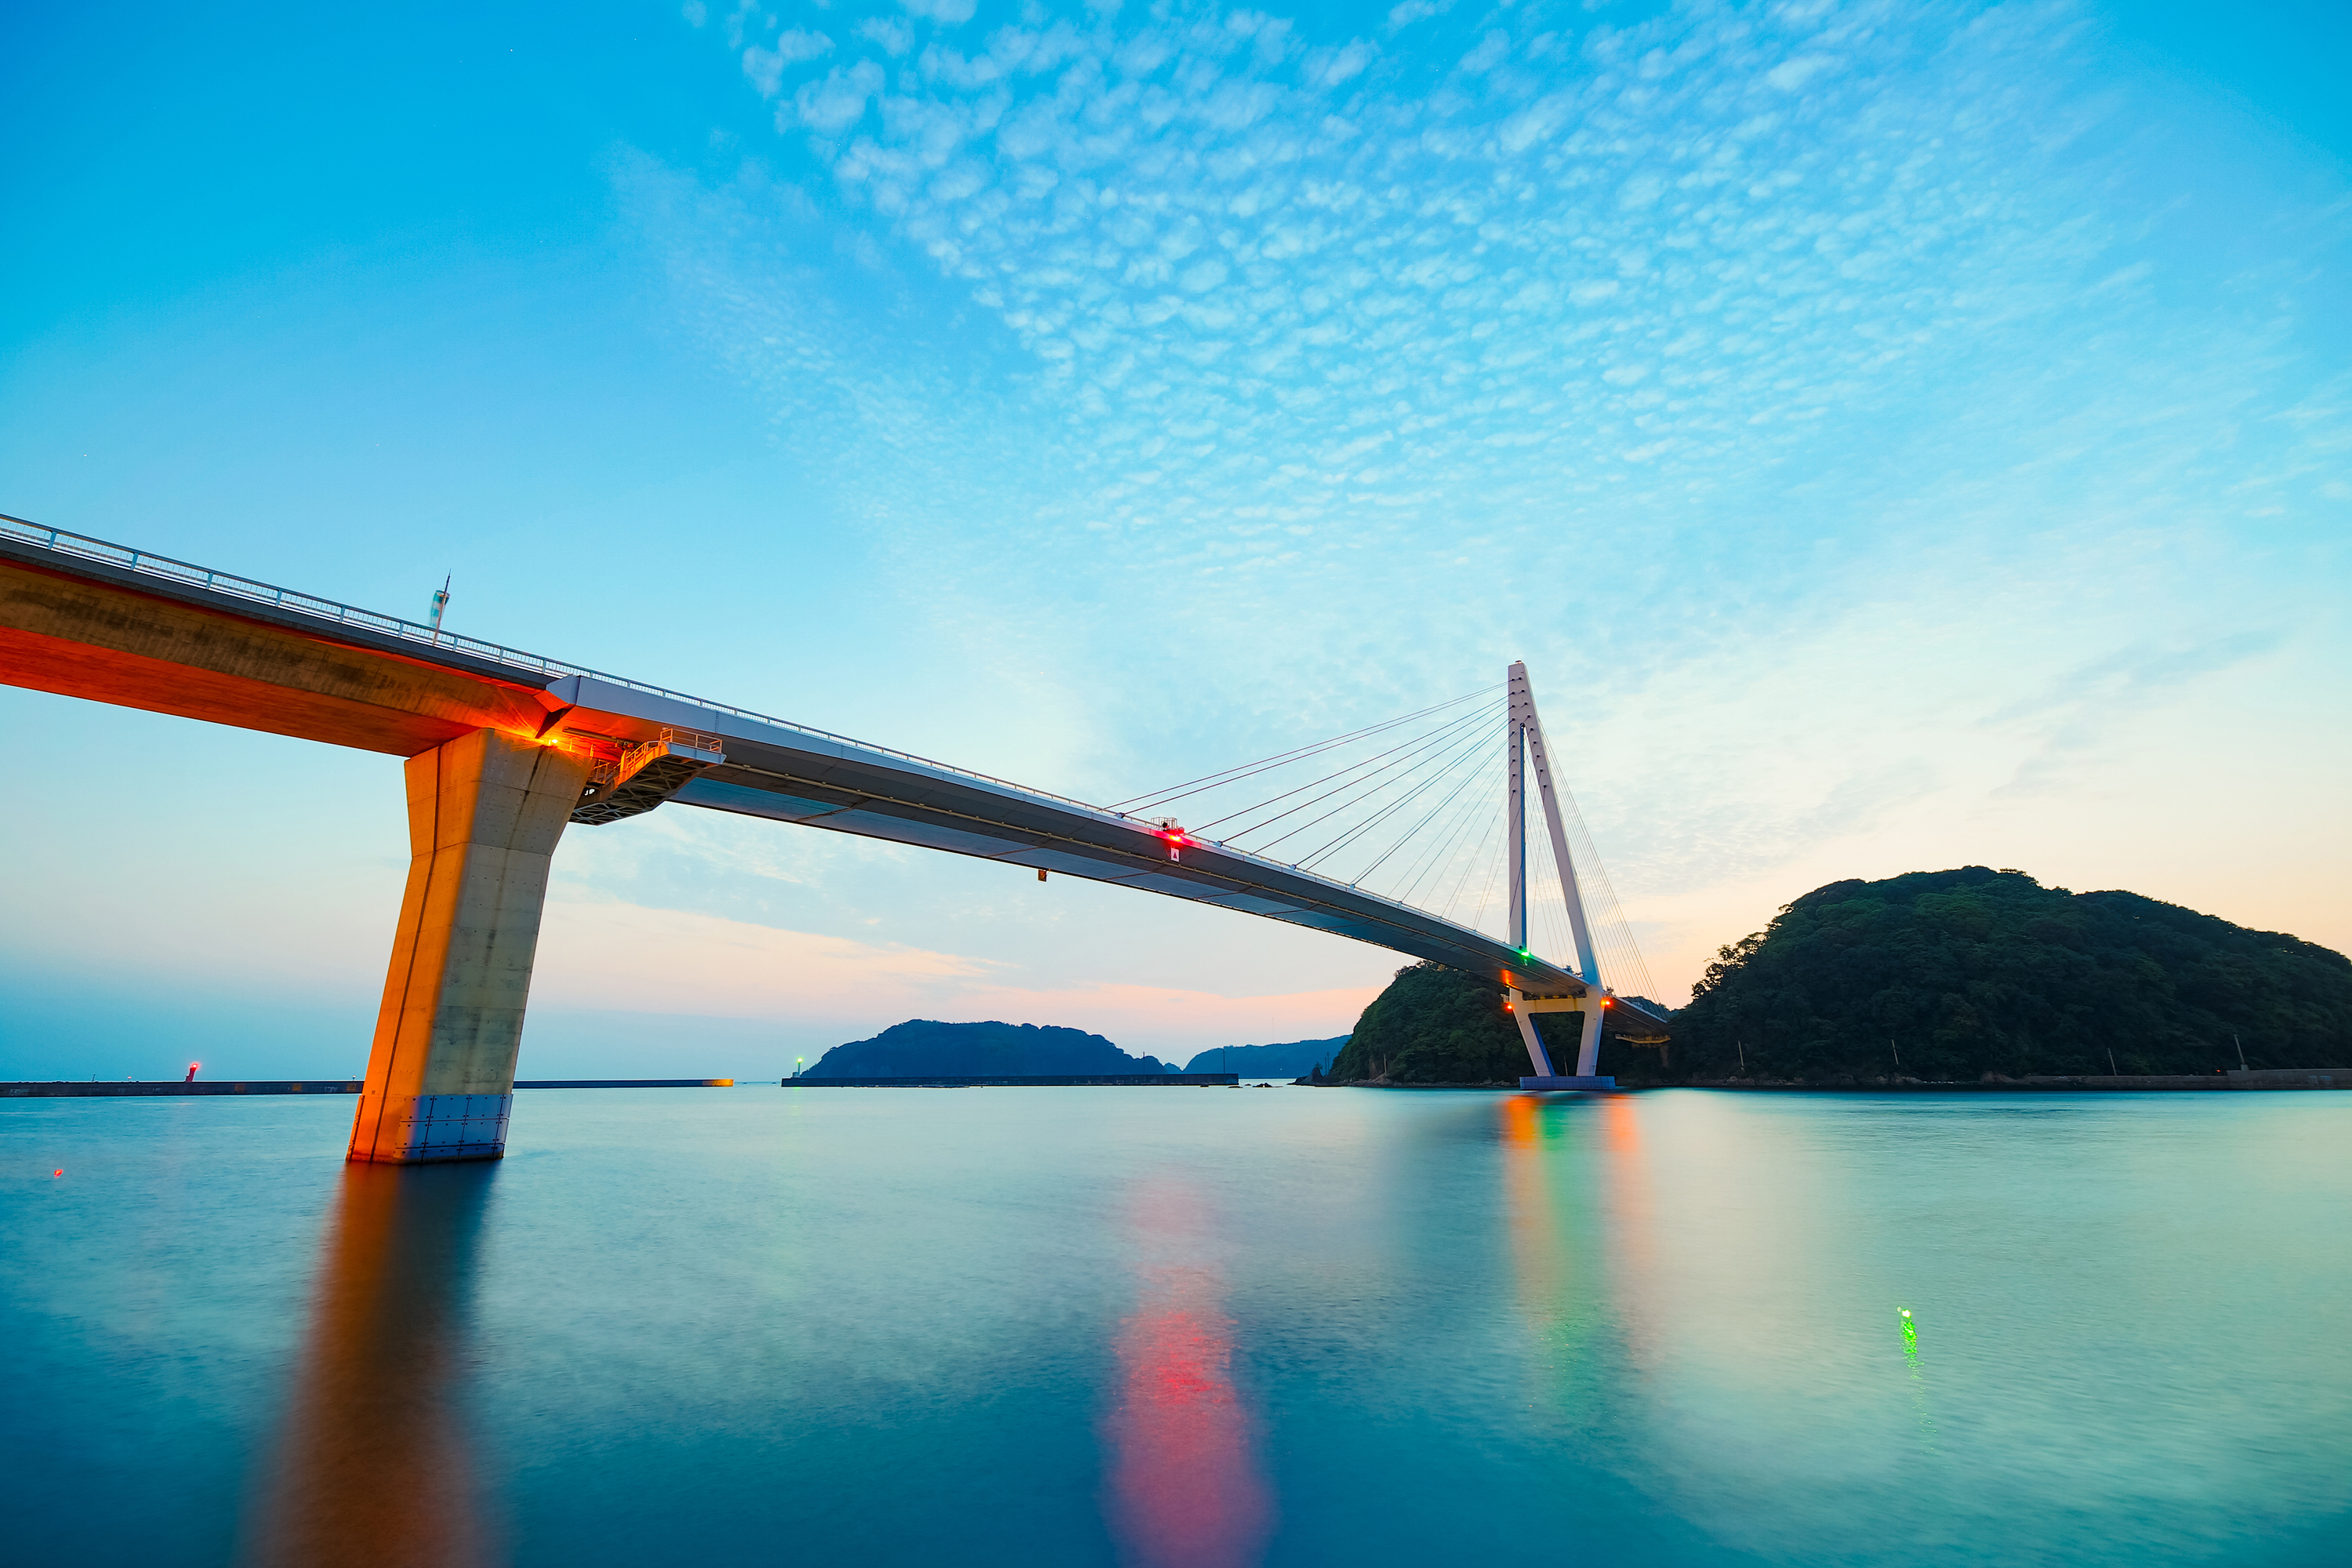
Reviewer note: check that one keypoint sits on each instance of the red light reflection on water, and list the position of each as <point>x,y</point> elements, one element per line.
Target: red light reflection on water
<point>1634,1226</point>
<point>1537,1255</point>
<point>1185,1487</point>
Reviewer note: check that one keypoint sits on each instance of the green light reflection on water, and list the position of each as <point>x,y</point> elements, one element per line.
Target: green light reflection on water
<point>1919,1381</point>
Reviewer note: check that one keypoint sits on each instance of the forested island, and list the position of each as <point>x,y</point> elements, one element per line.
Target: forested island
<point>923,1047</point>
<point>1950,975</point>
<point>1937,976</point>
<point>1290,1058</point>
<point>1435,1025</point>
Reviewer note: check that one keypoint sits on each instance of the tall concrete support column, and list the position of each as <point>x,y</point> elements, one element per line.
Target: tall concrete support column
<point>1537,1057</point>
<point>1587,1045</point>
<point>483,815</point>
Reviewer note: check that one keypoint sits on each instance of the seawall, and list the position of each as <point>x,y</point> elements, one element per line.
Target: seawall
<point>2255,1078</point>
<point>100,1089</point>
<point>97,1088</point>
<point>1119,1080</point>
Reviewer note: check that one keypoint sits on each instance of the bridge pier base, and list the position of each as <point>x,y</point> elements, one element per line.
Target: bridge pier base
<point>1591,1008</point>
<point>485,812</point>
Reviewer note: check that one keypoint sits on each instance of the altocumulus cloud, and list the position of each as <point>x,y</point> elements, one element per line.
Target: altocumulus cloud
<point>1344,363</point>
<point>1572,264</point>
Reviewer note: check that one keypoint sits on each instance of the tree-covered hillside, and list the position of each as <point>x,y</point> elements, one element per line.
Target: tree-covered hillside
<point>1973,971</point>
<point>1290,1058</point>
<point>1956,974</point>
<point>1435,1025</point>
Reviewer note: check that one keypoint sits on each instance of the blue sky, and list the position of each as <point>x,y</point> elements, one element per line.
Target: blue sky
<point>1895,436</point>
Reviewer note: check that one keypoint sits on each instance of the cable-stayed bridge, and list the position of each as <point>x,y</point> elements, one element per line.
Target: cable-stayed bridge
<point>506,749</point>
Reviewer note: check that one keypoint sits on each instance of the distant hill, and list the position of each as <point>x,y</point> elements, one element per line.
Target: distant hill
<point>1293,1058</point>
<point>920,1048</point>
<point>1973,971</point>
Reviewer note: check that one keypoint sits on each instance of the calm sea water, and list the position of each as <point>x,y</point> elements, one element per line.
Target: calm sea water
<point>1185,1327</point>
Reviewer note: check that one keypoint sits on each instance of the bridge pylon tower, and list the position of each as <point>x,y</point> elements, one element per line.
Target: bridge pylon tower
<point>1530,754</point>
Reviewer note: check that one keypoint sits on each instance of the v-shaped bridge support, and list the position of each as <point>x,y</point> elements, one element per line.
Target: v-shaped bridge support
<point>1527,752</point>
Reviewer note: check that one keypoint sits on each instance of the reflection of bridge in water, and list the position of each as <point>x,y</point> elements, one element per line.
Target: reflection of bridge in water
<point>504,748</point>
<point>373,1465</point>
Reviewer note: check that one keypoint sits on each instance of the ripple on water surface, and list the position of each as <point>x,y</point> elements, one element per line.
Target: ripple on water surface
<point>1170,1327</point>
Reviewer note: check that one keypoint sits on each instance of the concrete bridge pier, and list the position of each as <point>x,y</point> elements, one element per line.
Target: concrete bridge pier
<point>1591,1008</point>
<point>484,811</point>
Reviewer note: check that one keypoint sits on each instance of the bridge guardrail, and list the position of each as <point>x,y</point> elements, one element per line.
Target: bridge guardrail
<point>164,566</point>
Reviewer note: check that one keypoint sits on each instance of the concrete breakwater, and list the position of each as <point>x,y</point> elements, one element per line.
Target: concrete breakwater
<point>2257,1079</point>
<point>100,1089</point>
<point>624,1083</point>
<point>97,1089</point>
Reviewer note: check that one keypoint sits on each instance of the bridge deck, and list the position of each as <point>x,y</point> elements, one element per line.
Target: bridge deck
<point>89,619</point>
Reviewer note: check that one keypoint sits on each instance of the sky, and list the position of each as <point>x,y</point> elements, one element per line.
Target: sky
<point>1895,436</point>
